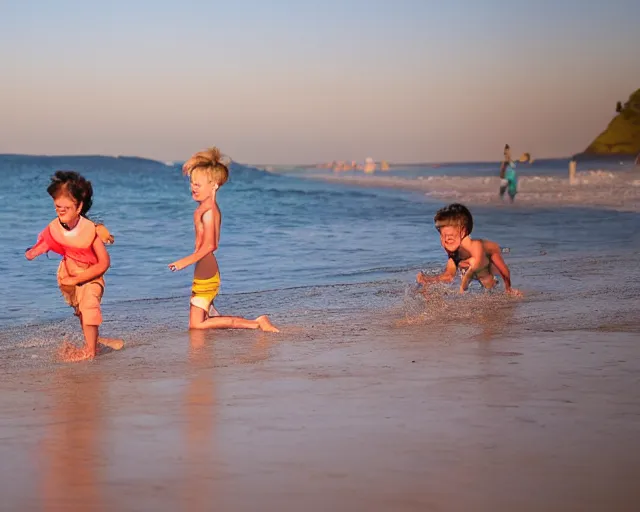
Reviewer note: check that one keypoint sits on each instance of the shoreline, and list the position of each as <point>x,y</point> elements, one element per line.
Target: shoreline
<point>618,190</point>
<point>371,398</point>
<point>375,417</point>
<point>497,404</point>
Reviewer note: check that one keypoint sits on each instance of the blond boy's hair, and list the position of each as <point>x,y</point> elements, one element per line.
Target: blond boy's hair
<point>209,162</point>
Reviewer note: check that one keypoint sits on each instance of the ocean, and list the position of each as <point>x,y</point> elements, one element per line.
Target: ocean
<point>372,396</point>
<point>289,245</point>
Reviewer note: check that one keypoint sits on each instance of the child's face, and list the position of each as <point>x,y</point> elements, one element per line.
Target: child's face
<point>451,236</point>
<point>67,209</point>
<point>201,187</point>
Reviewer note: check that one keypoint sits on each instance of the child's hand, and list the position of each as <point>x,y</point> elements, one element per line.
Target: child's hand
<point>104,234</point>
<point>175,266</point>
<point>420,278</point>
<point>69,281</point>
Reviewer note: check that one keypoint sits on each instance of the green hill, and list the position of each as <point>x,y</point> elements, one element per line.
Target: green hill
<point>622,136</point>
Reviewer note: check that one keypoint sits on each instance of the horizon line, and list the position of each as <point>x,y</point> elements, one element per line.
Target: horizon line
<point>308,164</point>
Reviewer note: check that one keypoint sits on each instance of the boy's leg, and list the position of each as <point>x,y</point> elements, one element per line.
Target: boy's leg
<point>198,320</point>
<point>90,339</point>
<point>71,354</point>
<point>89,298</point>
<point>488,282</point>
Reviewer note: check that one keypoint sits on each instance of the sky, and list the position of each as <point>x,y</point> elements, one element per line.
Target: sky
<point>302,81</point>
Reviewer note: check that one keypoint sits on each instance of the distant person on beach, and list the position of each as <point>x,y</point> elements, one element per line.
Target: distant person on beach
<point>207,174</point>
<point>508,179</point>
<point>84,258</point>
<point>475,259</point>
<point>503,180</point>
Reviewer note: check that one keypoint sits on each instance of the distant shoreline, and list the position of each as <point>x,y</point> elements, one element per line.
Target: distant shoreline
<point>82,157</point>
<point>581,157</point>
<point>618,191</point>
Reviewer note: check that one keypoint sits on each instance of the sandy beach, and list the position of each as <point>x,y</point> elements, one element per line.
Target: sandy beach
<point>372,397</point>
<point>618,190</point>
<point>282,164</point>
<point>454,403</point>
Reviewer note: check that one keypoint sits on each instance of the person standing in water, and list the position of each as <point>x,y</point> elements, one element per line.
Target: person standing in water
<point>84,257</point>
<point>508,176</point>
<point>207,174</point>
<point>508,180</point>
<point>503,180</point>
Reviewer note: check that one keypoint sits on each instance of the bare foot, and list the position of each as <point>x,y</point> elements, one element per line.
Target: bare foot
<point>69,353</point>
<point>112,343</point>
<point>266,325</point>
<point>515,293</point>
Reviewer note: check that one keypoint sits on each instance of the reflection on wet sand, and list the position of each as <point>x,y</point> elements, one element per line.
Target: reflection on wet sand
<point>72,450</point>
<point>199,410</point>
<point>358,417</point>
<point>259,351</point>
<point>495,321</point>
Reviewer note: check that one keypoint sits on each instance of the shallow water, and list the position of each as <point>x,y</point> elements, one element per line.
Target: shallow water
<point>282,237</point>
<point>373,397</point>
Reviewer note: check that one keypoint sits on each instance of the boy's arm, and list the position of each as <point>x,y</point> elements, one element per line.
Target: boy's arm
<point>209,245</point>
<point>495,256</point>
<point>39,248</point>
<point>498,261</point>
<point>446,276</point>
<point>477,253</point>
<point>94,271</point>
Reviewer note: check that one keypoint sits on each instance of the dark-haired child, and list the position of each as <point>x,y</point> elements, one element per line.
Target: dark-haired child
<point>84,256</point>
<point>475,259</point>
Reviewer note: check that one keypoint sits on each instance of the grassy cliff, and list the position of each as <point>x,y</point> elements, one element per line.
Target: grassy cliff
<point>622,136</point>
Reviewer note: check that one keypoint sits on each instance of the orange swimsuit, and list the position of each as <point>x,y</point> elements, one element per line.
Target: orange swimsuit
<point>76,247</point>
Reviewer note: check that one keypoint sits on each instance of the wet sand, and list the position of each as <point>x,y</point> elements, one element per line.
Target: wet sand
<point>478,403</point>
<point>618,190</point>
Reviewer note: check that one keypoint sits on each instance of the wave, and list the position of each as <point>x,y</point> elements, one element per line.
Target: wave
<point>170,298</point>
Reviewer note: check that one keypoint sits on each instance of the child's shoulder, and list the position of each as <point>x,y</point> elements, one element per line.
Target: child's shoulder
<point>490,246</point>
<point>473,243</point>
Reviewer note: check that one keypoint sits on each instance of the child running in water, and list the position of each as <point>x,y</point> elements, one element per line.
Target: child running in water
<point>85,258</point>
<point>207,174</point>
<point>476,259</point>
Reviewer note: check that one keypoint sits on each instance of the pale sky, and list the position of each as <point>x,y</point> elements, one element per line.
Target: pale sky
<point>300,81</point>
